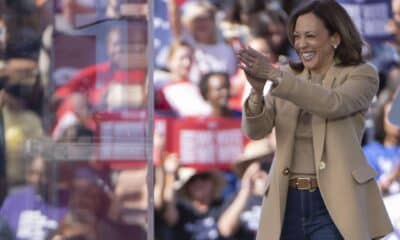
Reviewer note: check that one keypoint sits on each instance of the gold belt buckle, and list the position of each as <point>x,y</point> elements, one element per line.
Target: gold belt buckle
<point>304,183</point>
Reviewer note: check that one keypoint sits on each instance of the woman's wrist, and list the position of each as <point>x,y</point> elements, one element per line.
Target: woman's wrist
<point>256,97</point>
<point>255,103</point>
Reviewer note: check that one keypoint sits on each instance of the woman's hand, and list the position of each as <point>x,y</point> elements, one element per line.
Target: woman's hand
<point>256,64</point>
<point>257,68</point>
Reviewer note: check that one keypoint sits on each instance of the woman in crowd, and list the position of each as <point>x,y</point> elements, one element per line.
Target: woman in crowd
<point>384,152</point>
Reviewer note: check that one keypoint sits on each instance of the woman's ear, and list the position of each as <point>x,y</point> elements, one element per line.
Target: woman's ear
<point>335,40</point>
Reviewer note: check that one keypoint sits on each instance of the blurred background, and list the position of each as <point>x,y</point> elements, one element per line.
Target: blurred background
<point>120,119</point>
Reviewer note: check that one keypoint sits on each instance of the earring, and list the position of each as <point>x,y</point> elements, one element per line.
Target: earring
<point>334,47</point>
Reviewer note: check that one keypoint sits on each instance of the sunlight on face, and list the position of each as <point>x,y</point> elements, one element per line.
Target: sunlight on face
<point>181,61</point>
<point>313,43</point>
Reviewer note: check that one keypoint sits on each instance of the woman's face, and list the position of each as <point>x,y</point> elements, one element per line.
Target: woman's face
<point>218,91</point>
<point>181,61</point>
<point>127,47</point>
<point>314,44</point>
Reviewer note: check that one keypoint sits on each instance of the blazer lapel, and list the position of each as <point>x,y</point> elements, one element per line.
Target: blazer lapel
<point>318,123</point>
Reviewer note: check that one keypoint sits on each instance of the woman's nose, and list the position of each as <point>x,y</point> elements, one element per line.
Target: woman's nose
<point>301,43</point>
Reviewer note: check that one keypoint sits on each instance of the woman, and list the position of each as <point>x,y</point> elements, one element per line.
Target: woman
<point>215,90</point>
<point>384,152</point>
<point>321,186</point>
<point>179,95</point>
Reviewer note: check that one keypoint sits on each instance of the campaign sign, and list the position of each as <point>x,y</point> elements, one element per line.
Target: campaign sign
<point>122,136</point>
<point>370,17</point>
<point>206,142</point>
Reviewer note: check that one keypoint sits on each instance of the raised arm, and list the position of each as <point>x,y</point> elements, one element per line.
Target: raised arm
<point>354,94</point>
<point>174,19</point>
<point>229,221</point>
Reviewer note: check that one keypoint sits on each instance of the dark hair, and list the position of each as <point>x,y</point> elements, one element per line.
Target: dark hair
<point>247,7</point>
<point>203,84</point>
<point>264,20</point>
<point>336,20</point>
<point>386,96</point>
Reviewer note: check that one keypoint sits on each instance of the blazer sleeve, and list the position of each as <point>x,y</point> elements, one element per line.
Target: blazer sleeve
<point>354,94</point>
<point>258,126</point>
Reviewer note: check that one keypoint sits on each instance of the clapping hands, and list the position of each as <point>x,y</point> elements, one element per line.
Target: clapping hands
<point>257,67</point>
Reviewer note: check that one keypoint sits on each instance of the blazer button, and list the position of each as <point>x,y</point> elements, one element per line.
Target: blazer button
<point>322,165</point>
<point>285,171</point>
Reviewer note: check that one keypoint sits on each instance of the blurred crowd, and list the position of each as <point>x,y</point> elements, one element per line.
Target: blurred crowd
<point>76,103</point>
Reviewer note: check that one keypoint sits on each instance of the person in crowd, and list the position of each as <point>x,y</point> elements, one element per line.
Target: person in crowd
<point>239,18</point>
<point>127,215</point>
<point>384,152</point>
<point>127,64</point>
<point>215,89</point>
<point>393,24</point>
<point>197,25</point>
<point>271,24</point>
<point>178,95</point>
<point>78,224</point>
<point>90,193</point>
<point>244,212</point>
<point>127,61</point>
<point>28,210</point>
<point>19,122</point>
<point>393,77</point>
<point>194,210</point>
<point>317,107</point>
<point>384,54</point>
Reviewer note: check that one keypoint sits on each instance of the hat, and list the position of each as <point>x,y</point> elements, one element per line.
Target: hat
<point>193,9</point>
<point>186,174</point>
<point>256,150</point>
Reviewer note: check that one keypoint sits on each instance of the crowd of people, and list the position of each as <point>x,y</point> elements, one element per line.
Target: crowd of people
<point>75,91</point>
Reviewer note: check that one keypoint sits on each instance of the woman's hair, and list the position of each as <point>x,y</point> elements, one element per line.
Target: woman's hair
<point>247,7</point>
<point>174,46</point>
<point>265,19</point>
<point>336,20</point>
<point>385,97</point>
<point>203,84</point>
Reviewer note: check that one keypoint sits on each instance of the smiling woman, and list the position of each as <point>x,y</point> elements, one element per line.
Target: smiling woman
<point>316,107</point>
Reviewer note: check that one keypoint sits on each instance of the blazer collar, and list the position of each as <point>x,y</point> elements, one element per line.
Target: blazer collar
<point>329,76</point>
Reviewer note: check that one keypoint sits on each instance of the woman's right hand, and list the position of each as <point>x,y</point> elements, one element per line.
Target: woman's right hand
<point>255,66</point>
<point>256,83</point>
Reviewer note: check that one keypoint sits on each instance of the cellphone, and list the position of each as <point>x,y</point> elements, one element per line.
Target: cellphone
<point>394,114</point>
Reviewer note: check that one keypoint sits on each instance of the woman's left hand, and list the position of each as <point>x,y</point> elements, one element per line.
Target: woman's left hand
<point>256,64</point>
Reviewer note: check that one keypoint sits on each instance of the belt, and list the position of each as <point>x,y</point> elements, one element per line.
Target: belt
<point>304,183</point>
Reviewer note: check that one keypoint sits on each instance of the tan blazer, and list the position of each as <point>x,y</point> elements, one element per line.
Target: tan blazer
<point>345,178</point>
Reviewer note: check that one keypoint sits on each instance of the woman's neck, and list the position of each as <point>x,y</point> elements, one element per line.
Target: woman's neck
<point>323,70</point>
